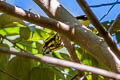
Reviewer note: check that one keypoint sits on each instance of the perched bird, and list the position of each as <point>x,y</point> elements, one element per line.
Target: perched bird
<point>54,42</point>
<point>83,20</point>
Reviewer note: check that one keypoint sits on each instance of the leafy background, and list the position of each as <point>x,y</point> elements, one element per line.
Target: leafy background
<point>30,38</point>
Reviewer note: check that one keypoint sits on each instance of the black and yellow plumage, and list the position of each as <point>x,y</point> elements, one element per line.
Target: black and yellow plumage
<point>83,20</point>
<point>54,42</point>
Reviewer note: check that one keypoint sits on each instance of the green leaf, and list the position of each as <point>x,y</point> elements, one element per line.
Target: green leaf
<point>9,31</point>
<point>43,34</point>
<point>49,31</point>
<point>72,73</point>
<point>61,55</point>
<point>39,47</point>
<point>35,36</point>
<point>4,59</point>
<point>24,33</point>
<point>56,55</point>
<point>59,76</point>
<point>118,36</point>
<point>8,21</point>
<point>79,52</point>
<point>65,56</point>
<point>29,43</point>
<point>27,34</point>
<point>107,25</point>
<point>38,73</point>
<point>95,64</point>
<point>87,59</point>
<point>20,67</point>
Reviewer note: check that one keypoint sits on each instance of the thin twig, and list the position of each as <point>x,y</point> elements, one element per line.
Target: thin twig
<point>101,29</point>
<point>64,63</point>
<point>109,10</point>
<point>74,77</point>
<point>10,75</point>
<point>84,76</point>
<point>71,50</point>
<point>26,45</point>
<point>60,71</point>
<point>14,43</point>
<point>101,5</point>
<point>114,24</point>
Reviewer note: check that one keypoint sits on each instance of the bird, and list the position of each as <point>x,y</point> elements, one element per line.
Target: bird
<point>54,42</point>
<point>83,19</point>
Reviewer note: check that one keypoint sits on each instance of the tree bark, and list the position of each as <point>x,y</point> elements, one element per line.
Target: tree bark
<point>95,45</point>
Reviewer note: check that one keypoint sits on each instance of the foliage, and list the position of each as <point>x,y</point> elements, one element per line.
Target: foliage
<point>30,38</point>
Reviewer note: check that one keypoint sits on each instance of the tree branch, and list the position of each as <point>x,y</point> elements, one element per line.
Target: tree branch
<point>50,10</point>
<point>78,33</point>
<point>71,51</point>
<point>1,36</point>
<point>61,71</point>
<point>63,63</point>
<point>109,10</point>
<point>114,24</point>
<point>10,75</point>
<point>45,7</point>
<point>2,0</point>
<point>74,77</point>
<point>105,34</point>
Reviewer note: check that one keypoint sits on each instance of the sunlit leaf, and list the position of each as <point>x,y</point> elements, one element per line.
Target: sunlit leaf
<point>27,34</point>
<point>24,33</point>
<point>72,73</point>
<point>39,47</point>
<point>61,55</point>
<point>65,56</point>
<point>9,31</point>
<point>20,67</point>
<point>4,58</point>
<point>79,52</point>
<point>38,73</point>
<point>8,21</point>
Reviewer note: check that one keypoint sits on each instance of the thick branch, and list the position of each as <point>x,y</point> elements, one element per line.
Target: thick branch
<point>82,36</point>
<point>50,9</point>
<point>105,34</point>
<point>114,24</point>
<point>2,0</point>
<point>70,49</point>
<point>63,63</point>
<point>47,6</point>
